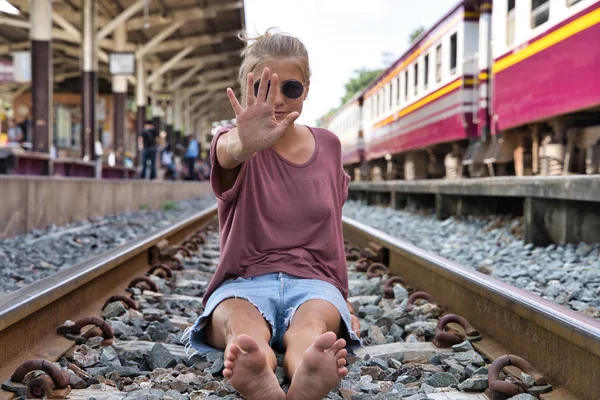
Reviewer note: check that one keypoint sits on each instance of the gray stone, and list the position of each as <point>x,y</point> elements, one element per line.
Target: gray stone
<point>469,357</point>
<point>523,396</point>
<point>462,347</point>
<point>442,379</point>
<point>425,388</point>
<point>109,357</point>
<point>528,379</point>
<point>376,335</point>
<point>418,396</point>
<point>114,309</point>
<point>216,367</point>
<point>477,383</point>
<point>400,293</point>
<point>404,379</point>
<point>471,370</point>
<point>421,328</point>
<point>160,357</point>
<point>145,394</point>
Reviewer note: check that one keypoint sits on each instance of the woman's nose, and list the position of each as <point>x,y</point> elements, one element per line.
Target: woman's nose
<point>279,98</point>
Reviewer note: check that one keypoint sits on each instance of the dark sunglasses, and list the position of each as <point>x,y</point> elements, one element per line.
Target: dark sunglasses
<point>291,89</point>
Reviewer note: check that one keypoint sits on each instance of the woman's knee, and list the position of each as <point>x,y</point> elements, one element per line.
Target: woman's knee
<point>235,316</point>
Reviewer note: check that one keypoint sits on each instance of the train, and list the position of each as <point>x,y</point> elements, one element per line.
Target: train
<point>494,88</point>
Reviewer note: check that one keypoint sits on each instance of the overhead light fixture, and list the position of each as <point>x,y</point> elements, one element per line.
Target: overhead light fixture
<point>8,8</point>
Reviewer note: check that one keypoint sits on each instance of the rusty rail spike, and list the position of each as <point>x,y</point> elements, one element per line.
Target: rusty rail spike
<point>353,253</point>
<point>186,252</point>
<point>107,332</point>
<point>156,270</point>
<point>129,302</point>
<point>508,388</point>
<point>59,377</point>
<point>417,295</point>
<point>388,287</point>
<point>362,264</point>
<point>448,339</point>
<point>376,269</point>
<point>174,264</point>
<point>144,280</point>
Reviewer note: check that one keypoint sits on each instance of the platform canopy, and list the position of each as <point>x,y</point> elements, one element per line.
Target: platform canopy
<point>188,46</point>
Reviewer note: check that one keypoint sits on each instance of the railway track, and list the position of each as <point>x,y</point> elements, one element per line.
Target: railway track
<point>399,360</point>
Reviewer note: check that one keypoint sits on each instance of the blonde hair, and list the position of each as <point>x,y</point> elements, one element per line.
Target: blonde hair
<point>270,45</point>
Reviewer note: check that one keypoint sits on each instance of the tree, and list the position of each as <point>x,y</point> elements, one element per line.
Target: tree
<point>359,82</point>
<point>416,33</point>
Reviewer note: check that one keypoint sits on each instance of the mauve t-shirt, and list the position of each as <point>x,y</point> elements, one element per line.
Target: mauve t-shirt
<point>284,217</point>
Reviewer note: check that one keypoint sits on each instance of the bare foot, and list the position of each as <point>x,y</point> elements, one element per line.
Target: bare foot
<point>321,369</point>
<point>247,369</point>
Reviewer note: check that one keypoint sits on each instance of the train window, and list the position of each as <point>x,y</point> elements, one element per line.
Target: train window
<point>426,77</point>
<point>398,91</point>
<point>406,85</point>
<point>416,78</point>
<point>540,12</point>
<point>390,92</point>
<point>438,63</point>
<point>572,2</point>
<point>510,23</point>
<point>453,53</point>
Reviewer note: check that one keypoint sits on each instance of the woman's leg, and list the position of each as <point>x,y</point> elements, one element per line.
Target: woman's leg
<point>314,358</point>
<point>238,327</point>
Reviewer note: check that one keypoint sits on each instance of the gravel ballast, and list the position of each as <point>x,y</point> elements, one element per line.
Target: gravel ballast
<point>27,258</point>
<point>568,275</point>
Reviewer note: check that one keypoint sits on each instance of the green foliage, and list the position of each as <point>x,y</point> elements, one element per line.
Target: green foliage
<point>359,82</point>
<point>169,205</point>
<point>144,207</point>
<point>416,33</point>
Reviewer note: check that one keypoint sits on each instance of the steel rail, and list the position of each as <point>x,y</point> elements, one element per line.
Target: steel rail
<point>29,316</point>
<point>559,342</point>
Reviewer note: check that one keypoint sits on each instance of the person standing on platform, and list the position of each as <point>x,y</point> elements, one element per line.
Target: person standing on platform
<point>15,133</point>
<point>191,154</point>
<point>150,143</point>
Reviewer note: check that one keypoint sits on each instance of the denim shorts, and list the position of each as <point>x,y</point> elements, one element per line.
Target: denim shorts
<point>277,296</point>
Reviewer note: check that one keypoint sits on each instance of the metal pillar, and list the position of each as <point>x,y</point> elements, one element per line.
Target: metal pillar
<point>41,78</point>
<point>156,105</point>
<point>169,121</point>
<point>119,88</point>
<point>142,100</point>
<point>89,76</point>
<point>177,118</point>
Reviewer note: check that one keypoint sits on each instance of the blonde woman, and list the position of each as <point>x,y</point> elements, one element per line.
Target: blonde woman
<point>282,280</point>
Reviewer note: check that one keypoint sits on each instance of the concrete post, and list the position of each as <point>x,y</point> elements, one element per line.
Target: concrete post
<point>142,100</point>
<point>177,117</point>
<point>89,76</point>
<point>156,105</point>
<point>119,88</point>
<point>40,35</point>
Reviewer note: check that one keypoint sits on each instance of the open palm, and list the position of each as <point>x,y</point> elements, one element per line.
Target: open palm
<point>257,126</point>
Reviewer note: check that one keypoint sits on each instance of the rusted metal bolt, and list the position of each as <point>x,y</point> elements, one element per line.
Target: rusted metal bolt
<point>161,270</point>
<point>498,386</point>
<point>127,301</point>
<point>75,329</point>
<point>445,338</point>
<point>59,377</point>
<point>353,253</point>
<point>417,295</point>
<point>388,287</point>
<point>376,270</point>
<point>362,264</point>
<point>143,283</point>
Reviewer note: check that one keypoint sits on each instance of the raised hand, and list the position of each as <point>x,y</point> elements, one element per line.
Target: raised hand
<point>257,127</point>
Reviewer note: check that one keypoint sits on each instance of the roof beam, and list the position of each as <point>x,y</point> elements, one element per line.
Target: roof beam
<point>165,33</point>
<point>188,13</point>
<point>120,19</point>
<point>66,25</point>
<point>192,62</point>
<point>169,64</point>
<point>185,77</point>
<point>196,41</point>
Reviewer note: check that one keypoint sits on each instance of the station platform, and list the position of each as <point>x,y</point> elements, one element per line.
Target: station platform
<point>556,209</point>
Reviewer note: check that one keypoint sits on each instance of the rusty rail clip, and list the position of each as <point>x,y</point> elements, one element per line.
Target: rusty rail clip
<point>161,270</point>
<point>444,338</point>
<point>376,270</point>
<point>362,264</point>
<point>503,390</point>
<point>127,301</point>
<point>388,287</point>
<point>54,385</point>
<point>73,332</point>
<point>143,283</point>
<point>410,303</point>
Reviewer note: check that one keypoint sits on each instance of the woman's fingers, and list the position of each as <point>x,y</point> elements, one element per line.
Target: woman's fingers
<point>289,120</point>
<point>250,98</point>
<point>262,87</point>
<point>274,91</point>
<point>237,108</point>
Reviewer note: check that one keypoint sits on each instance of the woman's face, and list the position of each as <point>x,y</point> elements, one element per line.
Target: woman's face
<point>286,70</point>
